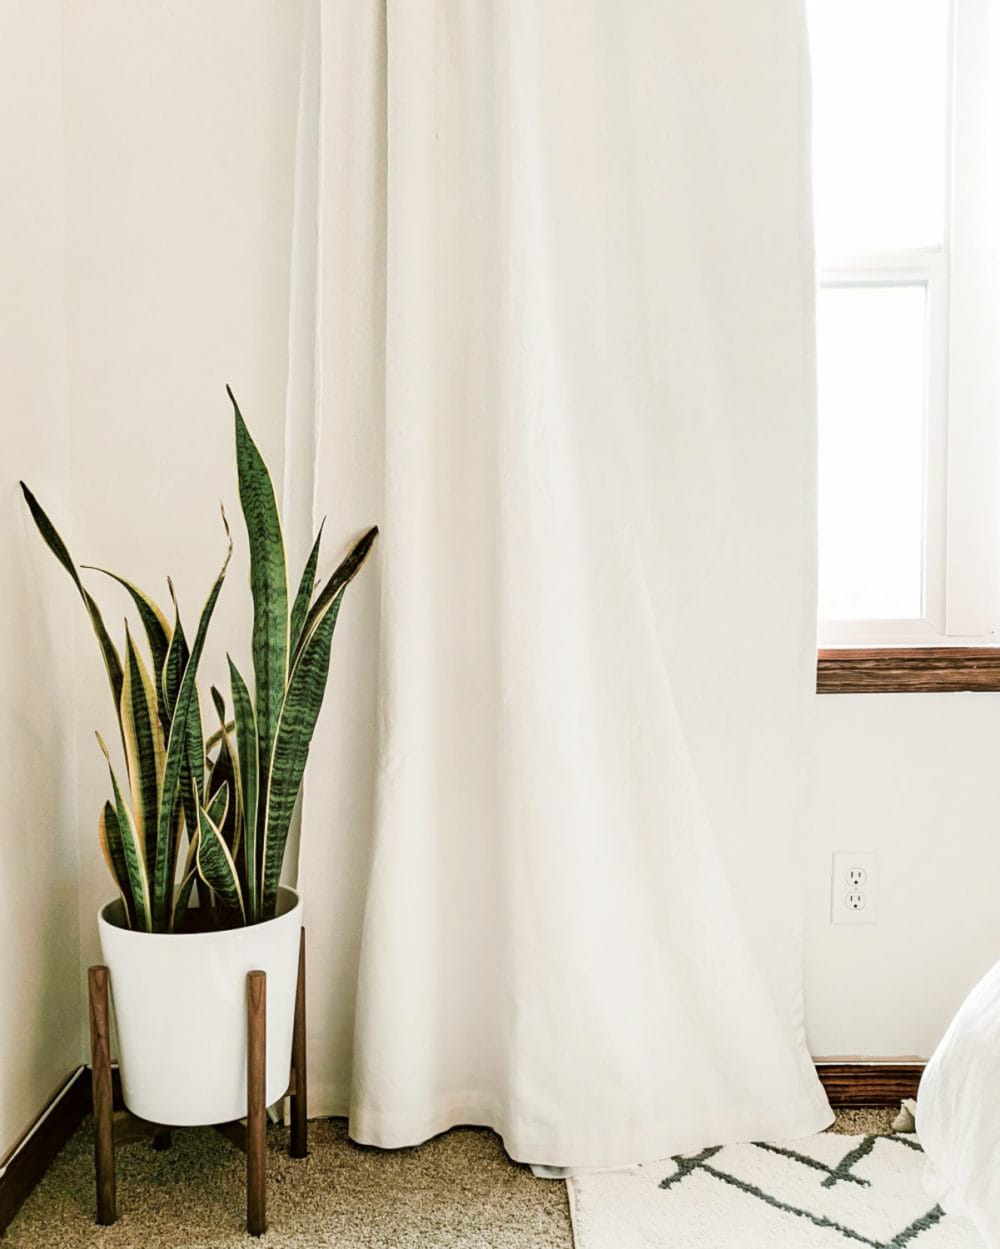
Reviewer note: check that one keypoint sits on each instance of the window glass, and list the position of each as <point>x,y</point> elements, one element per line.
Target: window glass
<point>872,451</point>
<point>880,114</point>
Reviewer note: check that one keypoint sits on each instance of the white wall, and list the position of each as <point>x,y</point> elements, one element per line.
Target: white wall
<point>915,777</point>
<point>180,146</point>
<point>39,938</point>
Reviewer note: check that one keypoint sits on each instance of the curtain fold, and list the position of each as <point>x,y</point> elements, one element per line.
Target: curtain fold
<point>552,329</point>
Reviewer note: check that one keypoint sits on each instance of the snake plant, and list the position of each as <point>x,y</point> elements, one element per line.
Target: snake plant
<point>263,767</point>
<point>229,796</point>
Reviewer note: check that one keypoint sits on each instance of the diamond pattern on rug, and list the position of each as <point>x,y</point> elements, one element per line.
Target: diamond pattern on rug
<point>831,1175</point>
<point>824,1192</point>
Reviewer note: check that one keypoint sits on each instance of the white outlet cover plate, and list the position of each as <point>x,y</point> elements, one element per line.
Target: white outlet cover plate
<point>844,893</point>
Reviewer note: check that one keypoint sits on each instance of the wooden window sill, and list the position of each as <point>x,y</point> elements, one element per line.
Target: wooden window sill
<point>908,670</point>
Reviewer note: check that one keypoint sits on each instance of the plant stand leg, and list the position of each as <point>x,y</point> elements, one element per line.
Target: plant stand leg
<point>162,1141</point>
<point>256,1109</point>
<point>104,1114</point>
<point>298,1146</point>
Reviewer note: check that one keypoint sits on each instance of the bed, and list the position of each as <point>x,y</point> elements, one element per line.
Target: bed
<point>958,1112</point>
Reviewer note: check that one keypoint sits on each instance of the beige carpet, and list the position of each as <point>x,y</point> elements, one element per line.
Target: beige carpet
<point>459,1191</point>
<point>864,1122</point>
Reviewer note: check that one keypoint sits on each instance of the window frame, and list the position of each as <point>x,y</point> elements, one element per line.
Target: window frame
<point>961,539</point>
<point>928,268</point>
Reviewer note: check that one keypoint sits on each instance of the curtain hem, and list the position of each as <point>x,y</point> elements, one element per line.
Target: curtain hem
<point>597,1147</point>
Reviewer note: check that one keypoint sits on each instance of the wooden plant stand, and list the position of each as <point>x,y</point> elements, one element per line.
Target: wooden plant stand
<point>114,1127</point>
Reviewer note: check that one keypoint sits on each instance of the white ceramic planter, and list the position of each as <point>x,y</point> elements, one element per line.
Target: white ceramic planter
<point>180,1003</point>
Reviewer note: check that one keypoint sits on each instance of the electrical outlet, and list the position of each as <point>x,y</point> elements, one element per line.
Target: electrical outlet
<point>854,888</point>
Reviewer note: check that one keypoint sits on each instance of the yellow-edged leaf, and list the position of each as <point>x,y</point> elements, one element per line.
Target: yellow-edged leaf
<point>110,838</point>
<point>142,733</point>
<point>216,867</point>
<point>132,850</point>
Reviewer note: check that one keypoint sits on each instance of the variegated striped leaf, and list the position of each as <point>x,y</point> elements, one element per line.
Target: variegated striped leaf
<point>268,584</point>
<point>187,795</point>
<point>218,805</point>
<point>178,745</point>
<point>132,850</point>
<point>348,569</point>
<point>173,673</point>
<point>219,703</point>
<point>247,760</point>
<point>142,733</point>
<point>110,838</point>
<point>197,758</point>
<point>227,767</point>
<point>216,867</point>
<point>156,628</point>
<point>215,738</point>
<point>182,896</point>
<point>299,713</point>
<point>109,653</point>
<point>179,824</point>
<point>175,661</point>
<point>303,596</point>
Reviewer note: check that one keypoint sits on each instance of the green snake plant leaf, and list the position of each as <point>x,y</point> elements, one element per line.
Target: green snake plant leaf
<point>132,851</point>
<point>192,778</point>
<point>347,570</point>
<point>196,760</point>
<point>291,749</point>
<point>222,778</point>
<point>156,628</point>
<point>247,768</point>
<point>268,583</point>
<point>303,596</point>
<point>297,722</point>
<point>178,744</point>
<point>109,835</point>
<point>179,823</point>
<point>226,771</point>
<point>173,671</point>
<point>175,661</point>
<point>215,864</point>
<point>219,703</point>
<point>214,738</point>
<point>218,805</point>
<point>142,733</point>
<point>188,800</point>
<point>112,661</point>
<point>189,875</point>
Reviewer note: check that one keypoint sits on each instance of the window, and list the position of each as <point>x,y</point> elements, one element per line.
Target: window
<point>905,178</point>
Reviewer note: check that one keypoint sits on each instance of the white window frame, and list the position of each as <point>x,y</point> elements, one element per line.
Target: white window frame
<point>962,283</point>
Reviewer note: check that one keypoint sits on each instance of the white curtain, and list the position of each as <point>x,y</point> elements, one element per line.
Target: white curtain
<point>552,329</point>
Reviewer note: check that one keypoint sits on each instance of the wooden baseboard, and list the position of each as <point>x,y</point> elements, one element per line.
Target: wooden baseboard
<point>860,1084</point>
<point>31,1156</point>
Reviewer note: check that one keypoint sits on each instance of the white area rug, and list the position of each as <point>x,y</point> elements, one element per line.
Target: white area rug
<point>822,1192</point>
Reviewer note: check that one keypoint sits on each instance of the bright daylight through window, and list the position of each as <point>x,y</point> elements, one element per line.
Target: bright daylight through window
<point>907,247</point>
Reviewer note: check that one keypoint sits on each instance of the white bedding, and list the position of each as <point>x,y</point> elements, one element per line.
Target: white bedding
<point>958,1112</point>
